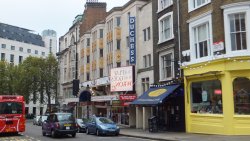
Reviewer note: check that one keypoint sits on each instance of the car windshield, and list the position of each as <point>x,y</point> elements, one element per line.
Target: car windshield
<point>10,108</point>
<point>44,118</point>
<point>104,120</point>
<point>65,117</point>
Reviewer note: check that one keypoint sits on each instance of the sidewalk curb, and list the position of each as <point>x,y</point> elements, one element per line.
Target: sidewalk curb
<point>151,138</point>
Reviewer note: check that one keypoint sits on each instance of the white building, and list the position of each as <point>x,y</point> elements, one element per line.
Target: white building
<point>18,43</point>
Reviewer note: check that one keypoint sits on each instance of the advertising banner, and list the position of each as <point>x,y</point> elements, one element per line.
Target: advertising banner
<point>121,79</point>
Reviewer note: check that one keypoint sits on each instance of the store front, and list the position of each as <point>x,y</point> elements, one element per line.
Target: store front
<point>166,104</point>
<point>217,97</point>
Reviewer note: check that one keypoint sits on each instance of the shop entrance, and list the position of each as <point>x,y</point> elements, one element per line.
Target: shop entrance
<point>171,114</point>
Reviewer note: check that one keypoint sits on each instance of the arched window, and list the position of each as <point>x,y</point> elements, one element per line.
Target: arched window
<point>241,88</point>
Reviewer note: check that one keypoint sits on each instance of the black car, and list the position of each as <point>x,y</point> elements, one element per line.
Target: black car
<point>59,124</point>
<point>81,127</point>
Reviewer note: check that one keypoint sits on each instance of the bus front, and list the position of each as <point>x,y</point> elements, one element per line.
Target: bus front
<point>12,114</point>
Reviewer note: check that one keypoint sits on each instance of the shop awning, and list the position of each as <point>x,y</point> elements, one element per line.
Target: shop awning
<point>155,96</point>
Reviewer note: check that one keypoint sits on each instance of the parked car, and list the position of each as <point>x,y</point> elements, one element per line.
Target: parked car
<point>102,126</point>
<point>80,123</point>
<point>59,124</point>
<point>42,119</point>
<point>36,119</point>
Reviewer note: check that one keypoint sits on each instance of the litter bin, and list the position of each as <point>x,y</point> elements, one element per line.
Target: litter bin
<point>153,124</point>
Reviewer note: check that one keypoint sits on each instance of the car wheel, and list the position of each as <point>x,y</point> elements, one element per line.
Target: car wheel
<point>78,129</point>
<point>43,133</point>
<point>97,132</point>
<point>73,135</point>
<point>87,131</point>
<point>117,134</point>
<point>53,134</point>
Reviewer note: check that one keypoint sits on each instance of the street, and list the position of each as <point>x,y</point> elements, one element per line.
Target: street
<point>34,133</point>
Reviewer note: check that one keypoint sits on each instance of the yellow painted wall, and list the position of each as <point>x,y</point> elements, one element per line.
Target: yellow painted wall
<point>227,123</point>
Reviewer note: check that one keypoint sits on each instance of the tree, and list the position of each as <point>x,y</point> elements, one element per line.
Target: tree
<point>49,75</point>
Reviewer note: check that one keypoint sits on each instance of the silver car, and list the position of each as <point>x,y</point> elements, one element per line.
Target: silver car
<point>36,119</point>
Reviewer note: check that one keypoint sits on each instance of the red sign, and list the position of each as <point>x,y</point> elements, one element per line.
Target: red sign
<point>126,103</point>
<point>127,97</point>
<point>217,91</point>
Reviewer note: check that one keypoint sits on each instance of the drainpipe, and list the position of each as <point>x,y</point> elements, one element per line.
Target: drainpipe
<point>179,40</point>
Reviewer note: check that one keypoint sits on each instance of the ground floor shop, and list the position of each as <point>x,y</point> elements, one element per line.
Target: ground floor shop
<point>166,104</point>
<point>217,97</point>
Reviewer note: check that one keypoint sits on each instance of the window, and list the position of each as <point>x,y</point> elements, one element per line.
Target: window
<point>241,91</point>
<point>128,16</point>
<point>127,62</point>
<point>146,34</point>
<point>101,72</point>
<point>149,36</point>
<point>206,97</point>
<point>101,33</point>
<point>236,23</point>
<point>12,47</point>
<point>127,41</point>
<point>3,46</point>
<point>166,66</point>
<point>118,21</point>
<point>118,64</point>
<point>36,51</point>
<point>88,76</point>
<point>194,4</point>
<point>20,59</point>
<point>162,4</point>
<point>101,52</point>
<point>166,27</point>
<point>88,59</point>
<point>21,49</point>
<point>149,60</point>
<point>88,41</point>
<point>43,53</point>
<point>29,50</point>
<point>118,43</point>
<point>2,56</point>
<point>200,38</point>
<point>238,31</point>
<point>145,61</point>
<point>12,58</point>
<point>145,84</point>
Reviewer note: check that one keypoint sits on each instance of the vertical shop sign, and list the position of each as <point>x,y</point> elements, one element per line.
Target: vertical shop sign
<point>132,41</point>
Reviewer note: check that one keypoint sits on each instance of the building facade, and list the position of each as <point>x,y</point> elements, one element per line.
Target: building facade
<point>19,43</point>
<point>216,66</point>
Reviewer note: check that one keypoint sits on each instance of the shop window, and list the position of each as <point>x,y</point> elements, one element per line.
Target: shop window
<point>206,97</point>
<point>241,95</point>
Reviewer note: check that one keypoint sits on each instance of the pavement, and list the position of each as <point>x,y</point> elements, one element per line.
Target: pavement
<point>178,136</point>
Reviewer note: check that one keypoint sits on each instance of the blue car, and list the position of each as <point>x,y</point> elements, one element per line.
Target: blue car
<point>102,126</point>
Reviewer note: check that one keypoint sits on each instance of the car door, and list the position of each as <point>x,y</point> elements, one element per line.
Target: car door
<point>92,125</point>
<point>45,125</point>
<point>50,123</point>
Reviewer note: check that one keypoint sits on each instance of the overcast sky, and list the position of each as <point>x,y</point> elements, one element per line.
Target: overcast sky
<point>39,15</point>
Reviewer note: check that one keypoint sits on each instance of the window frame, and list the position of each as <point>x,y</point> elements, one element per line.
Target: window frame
<point>235,10</point>
<point>161,65</point>
<point>192,7</point>
<point>194,24</point>
<point>161,7</point>
<point>160,28</point>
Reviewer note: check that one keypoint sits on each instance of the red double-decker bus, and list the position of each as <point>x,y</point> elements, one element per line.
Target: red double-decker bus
<point>12,114</point>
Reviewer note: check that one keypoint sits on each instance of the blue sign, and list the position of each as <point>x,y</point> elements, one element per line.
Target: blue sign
<point>132,41</point>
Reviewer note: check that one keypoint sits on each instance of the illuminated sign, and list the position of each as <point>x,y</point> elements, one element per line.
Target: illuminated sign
<point>132,41</point>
